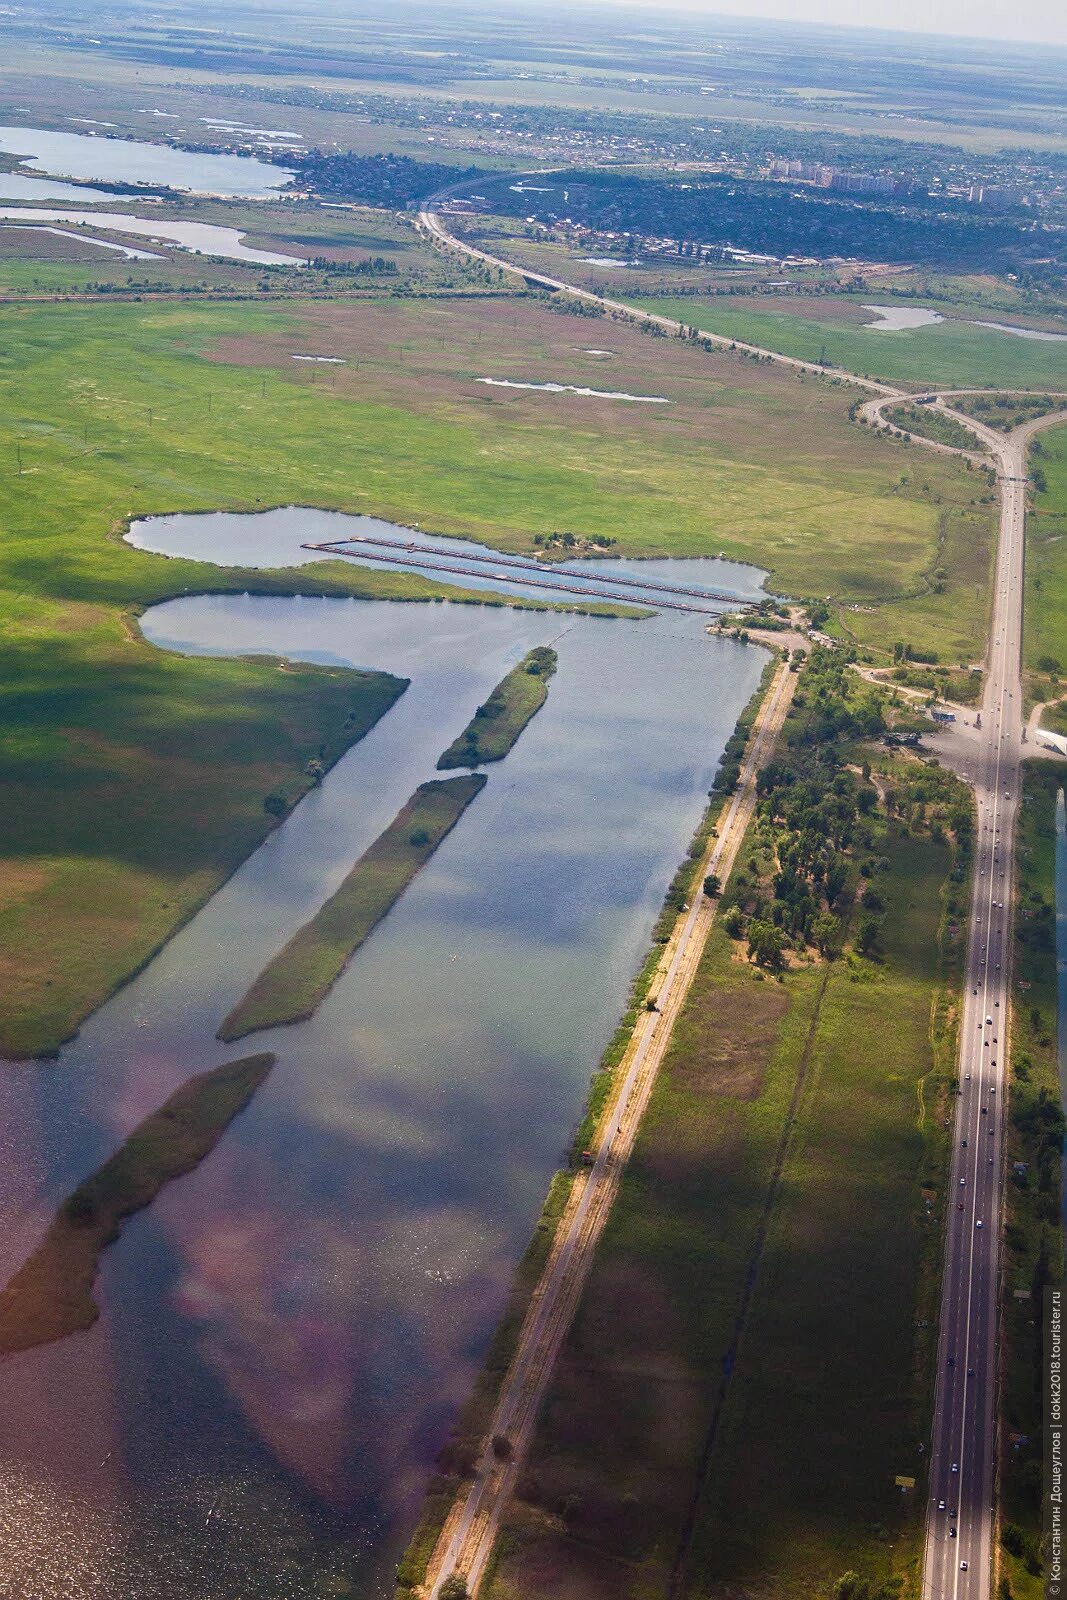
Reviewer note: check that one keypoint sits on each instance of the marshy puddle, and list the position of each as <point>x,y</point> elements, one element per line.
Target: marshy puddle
<point>1020,333</point>
<point>897,319</point>
<point>574,388</point>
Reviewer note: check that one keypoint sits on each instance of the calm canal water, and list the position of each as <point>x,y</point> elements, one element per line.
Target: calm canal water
<point>287,1332</point>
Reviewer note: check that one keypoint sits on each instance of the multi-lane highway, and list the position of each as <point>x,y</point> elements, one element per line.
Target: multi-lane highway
<point>958,1560</point>
<point>958,1551</point>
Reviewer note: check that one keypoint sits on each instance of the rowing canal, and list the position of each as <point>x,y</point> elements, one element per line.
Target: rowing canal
<point>287,1332</point>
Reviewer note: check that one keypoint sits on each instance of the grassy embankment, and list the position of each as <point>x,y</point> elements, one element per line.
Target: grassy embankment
<point>457,1460</point>
<point>135,780</point>
<point>951,354</point>
<point>757,1301</point>
<point>51,1295</point>
<point>1045,616</point>
<point>1006,411</point>
<point>1033,1236</point>
<point>291,987</point>
<point>497,724</point>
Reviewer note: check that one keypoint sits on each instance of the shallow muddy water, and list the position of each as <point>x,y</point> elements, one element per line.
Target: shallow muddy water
<point>287,1332</point>
<point>895,319</point>
<point>202,238</point>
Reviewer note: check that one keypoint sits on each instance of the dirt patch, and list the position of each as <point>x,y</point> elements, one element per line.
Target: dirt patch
<point>20,879</point>
<point>728,1038</point>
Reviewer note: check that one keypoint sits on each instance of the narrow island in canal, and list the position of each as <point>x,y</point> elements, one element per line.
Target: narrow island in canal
<point>291,987</point>
<point>51,1295</point>
<point>497,724</point>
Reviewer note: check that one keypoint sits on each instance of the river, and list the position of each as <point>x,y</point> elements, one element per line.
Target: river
<point>287,1331</point>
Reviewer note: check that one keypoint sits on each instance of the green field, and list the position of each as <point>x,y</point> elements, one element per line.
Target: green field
<point>135,781</point>
<point>950,353</point>
<point>51,1294</point>
<point>496,725</point>
<point>1045,613</point>
<point>300,976</point>
<point>793,1143</point>
<point>1033,1234</point>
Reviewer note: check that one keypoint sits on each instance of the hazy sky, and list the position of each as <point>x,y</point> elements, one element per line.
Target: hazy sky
<point>1040,21</point>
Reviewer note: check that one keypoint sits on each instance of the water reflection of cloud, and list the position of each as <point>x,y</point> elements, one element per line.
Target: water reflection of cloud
<point>317,1315</point>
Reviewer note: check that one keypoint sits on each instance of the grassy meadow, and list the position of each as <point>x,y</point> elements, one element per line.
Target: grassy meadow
<point>134,781</point>
<point>1045,614</point>
<point>953,353</point>
<point>1033,1234</point>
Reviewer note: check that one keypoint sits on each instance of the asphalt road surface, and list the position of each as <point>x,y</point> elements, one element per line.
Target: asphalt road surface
<point>958,1559</point>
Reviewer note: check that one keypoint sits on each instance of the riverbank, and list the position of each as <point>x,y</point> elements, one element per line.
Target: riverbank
<point>291,987</point>
<point>779,1220</point>
<point>458,1460</point>
<point>51,1295</point>
<point>497,724</point>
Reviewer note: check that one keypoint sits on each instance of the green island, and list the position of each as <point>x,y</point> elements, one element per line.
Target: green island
<point>933,425</point>
<point>497,724</point>
<point>291,987</point>
<point>51,1294</point>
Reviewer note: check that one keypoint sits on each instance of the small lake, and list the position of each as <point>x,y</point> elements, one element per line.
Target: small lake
<point>895,319</point>
<point>287,1332</point>
<point>85,155</point>
<point>201,238</point>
